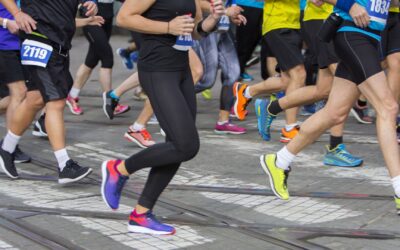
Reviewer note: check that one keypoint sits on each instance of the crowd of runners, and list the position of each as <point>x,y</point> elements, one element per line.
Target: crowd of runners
<point>325,58</point>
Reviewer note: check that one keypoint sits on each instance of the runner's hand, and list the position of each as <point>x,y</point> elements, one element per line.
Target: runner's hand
<point>317,2</point>
<point>359,15</point>
<point>91,8</point>
<point>181,25</point>
<point>96,20</point>
<point>217,9</point>
<point>12,26</point>
<point>25,22</point>
<point>239,20</point>
<point>233,11</point>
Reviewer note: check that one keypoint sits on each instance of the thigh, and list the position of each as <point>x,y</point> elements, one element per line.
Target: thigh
<point>169,103</point>
<point>286,47</point>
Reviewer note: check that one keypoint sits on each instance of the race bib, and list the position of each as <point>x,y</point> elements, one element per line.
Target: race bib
<point>378,10</point>
<point>183,43</point>
<point>35,53</point>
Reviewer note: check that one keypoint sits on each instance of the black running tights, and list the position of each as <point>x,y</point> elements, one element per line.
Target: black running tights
<point>173,100</point>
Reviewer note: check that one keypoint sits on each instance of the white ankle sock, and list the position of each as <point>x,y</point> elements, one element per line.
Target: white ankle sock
<point>396,185</point>
<point>74,93</point>
<point>137,126</point>
<point>62,158</point>
<point>289,127</point>
<point>10,142</point>
<point>247,93</point>
<point>284,158</point>
<point>222,123</point>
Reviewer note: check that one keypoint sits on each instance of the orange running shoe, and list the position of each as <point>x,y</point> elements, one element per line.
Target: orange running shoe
<point>287,136</point>
<point>241,101</point>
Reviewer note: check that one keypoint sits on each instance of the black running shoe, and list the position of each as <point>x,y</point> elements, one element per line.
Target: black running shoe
<point>20,157</point>
<point>72,172</point>
<point>39,128</point>
<point>109,105</point>
<point>7,164</point>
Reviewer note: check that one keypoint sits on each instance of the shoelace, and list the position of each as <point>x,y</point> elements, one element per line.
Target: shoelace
<point>146,135</point>
<point>345,154</point>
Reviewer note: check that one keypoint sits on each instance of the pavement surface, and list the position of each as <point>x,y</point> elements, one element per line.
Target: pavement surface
<point>219,200</point>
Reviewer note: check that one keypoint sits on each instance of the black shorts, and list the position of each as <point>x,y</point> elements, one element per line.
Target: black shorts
<point>359,56</point>
<point>137,39</point>
<point>4,91</point>
<point>323,53</point>
<point>285,45</point>
<point>54,82</point>
<point>10,67</point>
<point>390,42</point>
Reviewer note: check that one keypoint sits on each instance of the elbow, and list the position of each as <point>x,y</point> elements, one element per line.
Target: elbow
<point>119,21</point>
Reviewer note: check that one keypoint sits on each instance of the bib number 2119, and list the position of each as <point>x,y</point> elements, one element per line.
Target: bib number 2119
<point>35,53</point>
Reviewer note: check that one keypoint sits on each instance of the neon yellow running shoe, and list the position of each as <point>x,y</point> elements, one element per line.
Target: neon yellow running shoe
<point>207,94</point>
<point>397,201</point>
<point>277,177</point>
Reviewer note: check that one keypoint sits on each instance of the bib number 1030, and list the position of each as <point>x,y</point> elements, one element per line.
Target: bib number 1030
<point>35,53</point>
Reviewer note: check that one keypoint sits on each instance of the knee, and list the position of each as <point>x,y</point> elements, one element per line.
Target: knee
<point>56,105</point>
<point>336,116</point>
<point>189,149</point>
<point>298,74</point>
<point>388,110</point>
<point>393,63</point>
<point>35,103</point>
<point>18,92</point>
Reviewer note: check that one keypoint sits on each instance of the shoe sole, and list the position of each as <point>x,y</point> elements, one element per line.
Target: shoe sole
<point>21,161</point>
<point>103,183</point>
<point>66,181</point>
<point>144,230</point>
<point>125,111</point>
<point>72,110</point>
<point>358,118</point>
<point>39,134</point>
<point>285,140</point>
<point>105,105</point>
<point>266,170</point>
<point>134,140</point>
<point>228,132</point>
<point>343,166</point>
<point>3,166</point>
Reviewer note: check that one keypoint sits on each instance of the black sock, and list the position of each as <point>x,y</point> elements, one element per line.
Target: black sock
<point>274,108</point>
<point>335,141</point>
<point>361,103</point>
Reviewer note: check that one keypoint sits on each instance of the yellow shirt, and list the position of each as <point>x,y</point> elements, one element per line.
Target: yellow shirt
<point>281,14</point>
<point>394,9</point>
<point>312,12</point>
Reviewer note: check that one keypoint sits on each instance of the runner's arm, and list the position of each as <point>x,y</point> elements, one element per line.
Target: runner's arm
<point>24,21</point>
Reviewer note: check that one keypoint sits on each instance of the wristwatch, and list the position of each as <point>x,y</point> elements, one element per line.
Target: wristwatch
<point>5,20</point>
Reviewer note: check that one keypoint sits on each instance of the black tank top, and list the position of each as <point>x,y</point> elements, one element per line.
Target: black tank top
<point>157,53</point>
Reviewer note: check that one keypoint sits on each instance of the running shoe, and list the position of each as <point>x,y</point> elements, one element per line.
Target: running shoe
<point>397,201</point>
<point>73,105</point>
<point>241,101</point>
<point>245,77</point>
<point>229,128</point>
<point>265,119</point>
<point>112,183</point>
<point>134,56</point>
<point>308,110</point>
<point>361,114</point>
<point>126,59</point>
<point>142,138</point>
<point>20,157</point>
<point>340,157</point>
<point>277,177</point>
<point>232,113</point>
<point>121,109</point>
<point>72,172</point>
<point>287,136</point>
<point>139,95</point>
<point>147,223</point>
<point>207,94</point>
<point>109,105</point>
<point>153,120</point>
<point>39,127</point>
<point>7,164</point>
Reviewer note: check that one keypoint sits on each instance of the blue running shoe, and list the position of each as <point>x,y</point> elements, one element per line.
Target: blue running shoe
<point>340,157</point>
<point>266,119</point>
<point>148,224</point>
<point>261,108</point>
<point>246,77</point>
<point>134,56</point>
<point>112,183</point>
<point>126,59</point>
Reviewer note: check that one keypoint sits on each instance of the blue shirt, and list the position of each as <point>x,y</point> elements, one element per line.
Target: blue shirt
<point>378,14</point>
<point>8,41</point>
<point>251,3</point>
